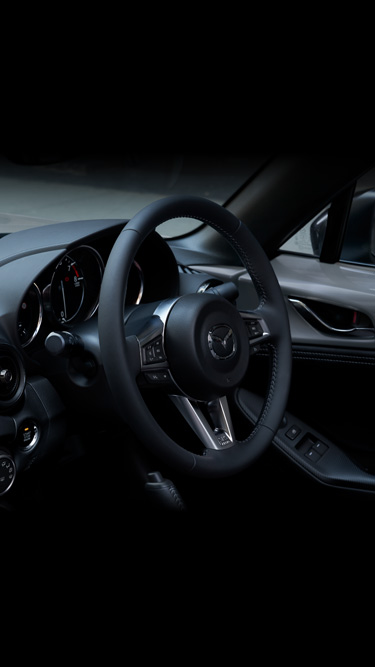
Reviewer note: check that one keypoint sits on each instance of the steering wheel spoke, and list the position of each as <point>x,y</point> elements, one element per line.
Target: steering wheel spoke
<point>146,342</point>
<point>210,421</point>
<point>151,345</point>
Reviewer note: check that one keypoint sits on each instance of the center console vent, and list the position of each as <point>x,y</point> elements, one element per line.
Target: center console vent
<point>12,376</point>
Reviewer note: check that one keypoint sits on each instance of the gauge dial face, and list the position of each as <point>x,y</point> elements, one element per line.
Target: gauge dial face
<point>29,315</point>
<point>75,285</point>
<point>68,290</point>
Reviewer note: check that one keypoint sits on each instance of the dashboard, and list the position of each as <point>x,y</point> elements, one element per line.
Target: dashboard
<point>50,361</point>
<point>66,291</point>
<point>69,295</point>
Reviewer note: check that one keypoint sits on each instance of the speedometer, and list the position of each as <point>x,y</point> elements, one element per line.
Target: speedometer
<point>68,291</point>
<point>75,285</point>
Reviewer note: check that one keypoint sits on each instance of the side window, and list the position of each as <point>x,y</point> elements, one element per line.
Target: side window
<point>359,239</point>
<point>309,239</point>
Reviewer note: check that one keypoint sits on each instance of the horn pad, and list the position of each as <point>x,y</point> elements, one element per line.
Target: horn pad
<point>207,346</point>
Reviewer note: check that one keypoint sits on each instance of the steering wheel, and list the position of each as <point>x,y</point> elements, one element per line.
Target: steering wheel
<point>195,347</point>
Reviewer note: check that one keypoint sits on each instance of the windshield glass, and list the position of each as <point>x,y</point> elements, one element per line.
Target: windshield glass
<point>37,190</point>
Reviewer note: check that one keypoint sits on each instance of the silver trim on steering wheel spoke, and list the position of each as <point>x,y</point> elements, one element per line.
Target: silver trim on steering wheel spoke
<point>151,345</point>
<point>151,338</point>
<point>211,421</point>
<point>154,364</point>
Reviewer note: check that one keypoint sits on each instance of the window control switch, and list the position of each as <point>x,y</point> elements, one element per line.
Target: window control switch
<point>313,455</point>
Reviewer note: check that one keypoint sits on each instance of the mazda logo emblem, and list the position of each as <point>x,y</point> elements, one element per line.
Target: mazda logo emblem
<point>222,341</point>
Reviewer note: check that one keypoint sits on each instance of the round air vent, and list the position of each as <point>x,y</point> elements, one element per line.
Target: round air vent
<point>12,376</point>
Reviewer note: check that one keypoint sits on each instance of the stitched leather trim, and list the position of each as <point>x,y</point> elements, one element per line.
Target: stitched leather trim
<point>330,355</point>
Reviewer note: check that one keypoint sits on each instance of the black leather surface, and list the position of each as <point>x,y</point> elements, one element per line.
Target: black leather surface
<point>117,353</point>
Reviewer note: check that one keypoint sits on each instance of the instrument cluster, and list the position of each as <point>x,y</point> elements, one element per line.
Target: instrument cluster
<point>69,293</point>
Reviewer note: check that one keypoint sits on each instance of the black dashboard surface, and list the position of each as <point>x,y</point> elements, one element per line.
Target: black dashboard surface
<point>50,282</point>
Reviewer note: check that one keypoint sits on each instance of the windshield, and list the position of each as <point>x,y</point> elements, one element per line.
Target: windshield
<point>44,189</point>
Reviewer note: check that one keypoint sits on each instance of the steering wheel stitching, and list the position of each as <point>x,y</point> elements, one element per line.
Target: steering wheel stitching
<point>195,347</point>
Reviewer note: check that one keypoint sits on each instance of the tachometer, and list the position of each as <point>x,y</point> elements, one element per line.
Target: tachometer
<point>75,285</point>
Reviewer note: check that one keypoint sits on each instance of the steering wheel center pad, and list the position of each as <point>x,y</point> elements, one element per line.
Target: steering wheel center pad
<point>207,346</point>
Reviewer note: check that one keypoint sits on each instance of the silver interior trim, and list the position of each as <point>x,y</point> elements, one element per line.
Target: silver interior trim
<point>220,434</point>
<point>305,310</point>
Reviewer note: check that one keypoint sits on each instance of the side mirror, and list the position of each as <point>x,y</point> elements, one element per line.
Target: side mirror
<point>359,241</point>
<point>317,232</point>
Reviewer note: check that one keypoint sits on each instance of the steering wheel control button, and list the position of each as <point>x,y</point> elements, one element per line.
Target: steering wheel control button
<point>254,328</point>
<point>222,437</point>
<point>157,377</point>
<point>257,331</point>
<point>7,472</point>
<point>153,352</point>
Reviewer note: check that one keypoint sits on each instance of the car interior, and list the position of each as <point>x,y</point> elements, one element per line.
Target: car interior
<point>205,353</point>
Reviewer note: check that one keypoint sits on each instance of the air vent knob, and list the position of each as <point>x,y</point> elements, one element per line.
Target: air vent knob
<point>7,472</point>
<point>6,376</point>
<point>12,376</point>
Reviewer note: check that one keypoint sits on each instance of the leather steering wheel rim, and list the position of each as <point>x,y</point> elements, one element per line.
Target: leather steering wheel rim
<point>120,353</point>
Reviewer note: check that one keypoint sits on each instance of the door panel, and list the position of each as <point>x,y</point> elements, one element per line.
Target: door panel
<point>333,371</point>
<point>345,286</point>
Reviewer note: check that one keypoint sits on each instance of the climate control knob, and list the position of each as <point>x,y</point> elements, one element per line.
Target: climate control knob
<point>7,472</point>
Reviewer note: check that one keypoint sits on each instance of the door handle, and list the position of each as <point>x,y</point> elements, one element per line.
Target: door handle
<point>317,320</point>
